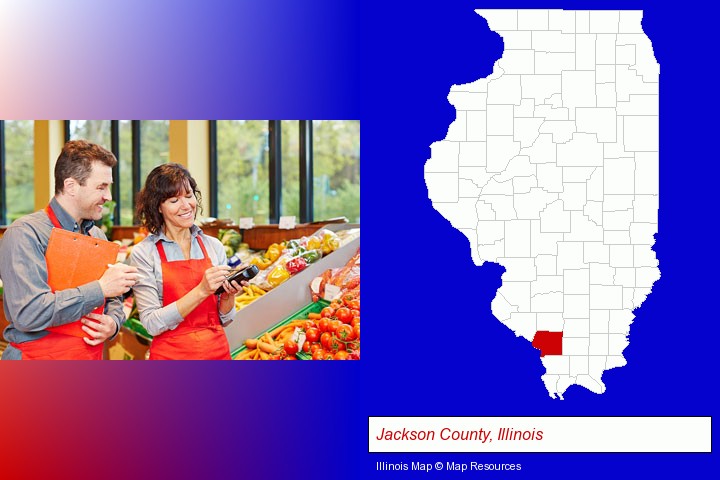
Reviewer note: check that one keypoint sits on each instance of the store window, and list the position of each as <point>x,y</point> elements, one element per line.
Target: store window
<point>336,169</point>
<point>16,169</point>
<point>329,147</point>
<point>242,170</point>
<point>95,131</point>
<point>141,146</point>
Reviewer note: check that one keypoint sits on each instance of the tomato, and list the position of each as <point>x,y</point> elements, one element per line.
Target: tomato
<point>314,347</point>
<point>291,348</point>
<point>327,312</point>
<point>347,298</point>
<point>341,355</point>
<point>312,335</point>
<point>334,324</point>
<point>356,331</point>
<point>335,304</point>
<point>356,313</point>
<point>318,355</point>
<point>343,314</point>
<point>325,340</point>
<point>291,357</point>
<point>353,305</point>
<point>308,324</point>
<point>336,345</point>
<point>306,347</point>
<point>323,324</point>
<point>355,321</point>
<point>328,356</point>
<point>344,332</point>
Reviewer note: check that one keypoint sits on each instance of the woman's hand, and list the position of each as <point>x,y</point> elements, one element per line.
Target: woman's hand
<point>227,299</point>
<point>214,277</point>
<point>232,289</point>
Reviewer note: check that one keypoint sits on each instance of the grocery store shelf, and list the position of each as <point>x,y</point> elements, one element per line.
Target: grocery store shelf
<point>288,297</point>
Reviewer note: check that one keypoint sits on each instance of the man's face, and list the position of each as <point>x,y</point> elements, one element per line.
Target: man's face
<point>95,192</point>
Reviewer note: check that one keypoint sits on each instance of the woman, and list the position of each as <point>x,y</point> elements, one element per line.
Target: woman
<point>180,269</point>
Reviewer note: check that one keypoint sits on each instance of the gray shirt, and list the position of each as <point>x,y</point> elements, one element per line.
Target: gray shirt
<point>30,305</point>
<point>149,289</point>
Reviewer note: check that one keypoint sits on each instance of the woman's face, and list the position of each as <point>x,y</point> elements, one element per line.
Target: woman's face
<point>179,211</point>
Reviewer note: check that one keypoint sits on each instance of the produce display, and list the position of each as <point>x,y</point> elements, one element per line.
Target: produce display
<point>336,334</point>
<point>324,330</point>
<point>279,261</point>
<point>283,260</point>
<point>338,282</point>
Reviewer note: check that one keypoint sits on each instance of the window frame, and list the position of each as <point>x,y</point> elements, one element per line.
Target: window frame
<point>135,163</point>
<point>275,167</point>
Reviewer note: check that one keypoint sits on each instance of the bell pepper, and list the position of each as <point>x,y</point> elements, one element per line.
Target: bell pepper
<point>312,256</point>
<point>314,243</point>
<point>296,265</point>
<point>278,275</point>
<point>330,243</point>
<point>298,251</point>
<point>292,244</point>
<point>261,262</point>
<point>273,252</point>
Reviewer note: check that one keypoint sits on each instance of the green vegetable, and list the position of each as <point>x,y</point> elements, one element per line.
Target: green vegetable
<point>312,256</point>
<point>232,239</point>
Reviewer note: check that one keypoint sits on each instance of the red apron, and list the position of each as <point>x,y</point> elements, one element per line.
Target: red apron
<point>200,336</point>
<point>64,342</point>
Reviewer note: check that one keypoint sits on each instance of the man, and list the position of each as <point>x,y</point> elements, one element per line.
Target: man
<point>40,315</point>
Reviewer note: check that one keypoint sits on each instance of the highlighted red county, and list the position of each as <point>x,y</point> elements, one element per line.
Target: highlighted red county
<point>549,343</point>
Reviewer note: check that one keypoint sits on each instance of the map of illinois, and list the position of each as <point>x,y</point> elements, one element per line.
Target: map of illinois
<point>551,170</point>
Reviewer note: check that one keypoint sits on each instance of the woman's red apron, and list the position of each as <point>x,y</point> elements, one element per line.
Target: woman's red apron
<point>200,336</point>
<point>64,342</point>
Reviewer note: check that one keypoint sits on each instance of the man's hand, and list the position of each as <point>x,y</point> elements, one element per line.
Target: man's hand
<point>118,279</point>
<point>98,327</point>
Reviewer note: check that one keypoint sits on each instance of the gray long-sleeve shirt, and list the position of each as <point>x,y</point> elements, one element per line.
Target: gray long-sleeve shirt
<point>148,290</point>
<point>30,305</point>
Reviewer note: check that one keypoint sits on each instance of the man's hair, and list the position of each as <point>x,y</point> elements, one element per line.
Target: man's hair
<point>163,182</point>
<point>76,159</point>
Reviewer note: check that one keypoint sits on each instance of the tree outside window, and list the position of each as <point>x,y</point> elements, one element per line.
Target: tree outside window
<point>19,168</point>
<point>336,169</point>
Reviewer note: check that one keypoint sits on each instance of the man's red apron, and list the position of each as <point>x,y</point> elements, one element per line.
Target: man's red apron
<point>64,342</point>
<point>200,336</point>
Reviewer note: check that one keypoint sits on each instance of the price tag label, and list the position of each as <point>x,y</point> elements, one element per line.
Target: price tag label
<point>298,337</point>
<point>246,223</point>
<point>287,223</point>
<point>331,291</point>
<point>315,285</point>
